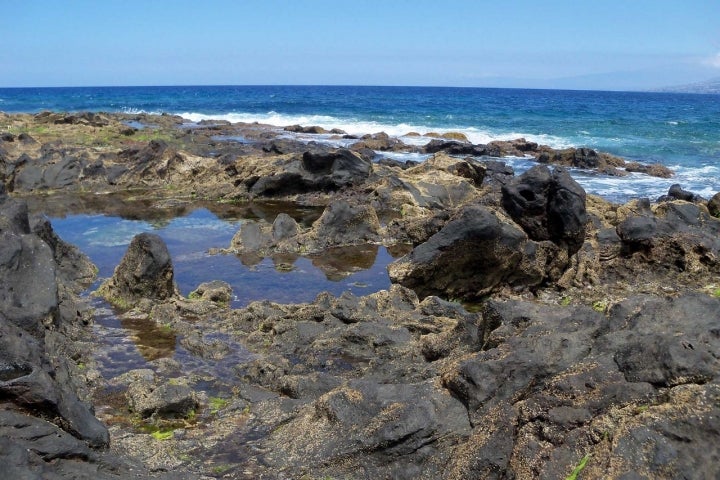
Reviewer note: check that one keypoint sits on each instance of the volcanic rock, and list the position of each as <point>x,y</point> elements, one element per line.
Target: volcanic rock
<point>676,192</point>
<point>548,206</point>
<point>654,170</point>
<point>164,400</point>
<point>145,272</point>
<point>345,224</point>
<point>473,253</point>
<point>714,205</point>
<point>28,288</point>
<point>678,236</point>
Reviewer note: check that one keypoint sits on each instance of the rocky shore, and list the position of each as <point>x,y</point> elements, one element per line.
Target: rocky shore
<point>531,330</point>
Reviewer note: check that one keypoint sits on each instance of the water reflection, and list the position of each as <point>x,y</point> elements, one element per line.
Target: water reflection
<point>102,226</point>
<point>160,212</point>
<point>338,263</point>
<point>151,340</point>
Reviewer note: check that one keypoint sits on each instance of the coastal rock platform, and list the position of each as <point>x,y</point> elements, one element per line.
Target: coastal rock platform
<point>530,331</point>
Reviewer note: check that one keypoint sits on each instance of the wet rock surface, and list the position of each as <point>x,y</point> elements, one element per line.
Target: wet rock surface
<point>594,340</point>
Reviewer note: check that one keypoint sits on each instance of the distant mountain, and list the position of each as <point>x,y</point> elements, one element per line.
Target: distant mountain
<point>709,86</point>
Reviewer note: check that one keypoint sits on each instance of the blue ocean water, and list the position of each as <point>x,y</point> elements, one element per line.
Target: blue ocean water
<point>681,131</point>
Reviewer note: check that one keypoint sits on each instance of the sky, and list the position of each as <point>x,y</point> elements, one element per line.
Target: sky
<point>580,44</point>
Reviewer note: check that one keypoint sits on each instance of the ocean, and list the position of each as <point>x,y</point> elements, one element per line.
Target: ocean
<point>681,131</point>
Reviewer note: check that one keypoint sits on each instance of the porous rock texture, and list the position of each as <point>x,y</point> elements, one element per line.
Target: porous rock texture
<point>144,273</point>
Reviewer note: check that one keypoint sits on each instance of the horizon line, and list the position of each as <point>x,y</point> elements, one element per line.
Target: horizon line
<point>310,85</point>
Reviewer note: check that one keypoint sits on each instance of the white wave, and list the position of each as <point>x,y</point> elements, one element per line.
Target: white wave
<point>701,172</point>
<point>139,111</point>
<point>362,127</point>
<point>404,156</point>
<point>328,139</point>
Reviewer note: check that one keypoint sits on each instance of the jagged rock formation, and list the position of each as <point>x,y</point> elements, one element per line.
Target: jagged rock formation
<point>145,273</point>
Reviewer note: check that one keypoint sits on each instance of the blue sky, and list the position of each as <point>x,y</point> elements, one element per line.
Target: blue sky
<point>610,44</point>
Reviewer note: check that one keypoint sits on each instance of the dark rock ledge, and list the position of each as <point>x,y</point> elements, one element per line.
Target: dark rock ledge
<point>46,430</point>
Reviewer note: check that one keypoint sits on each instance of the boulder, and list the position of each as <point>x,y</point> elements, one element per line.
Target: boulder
<point>498,172</point>
<point>468,168</point>
<point>677,237</point>
<point>654,170</point>
<point>280,184</point>
<point>27,380</point>
<point>26,139</point>
<point>379,141</point>
<point>713,205</point>
<point>585,158</point>
<point>28,285</point>
<point>165,400</point>
<point>30,304</point>
<point>441,182</point>
<point>64,173</point>
<point>342,167</point>
<point>215,291</point>
<point>145,272</point>
<point>317,170</point>
<point>676,192</point>
<point>345,224</point>
<point>300,129</point>
<point>458,148</point>
<point>282,146</point>
<point>548,206</point>
<point>74,269</point>
<point>472,254</point>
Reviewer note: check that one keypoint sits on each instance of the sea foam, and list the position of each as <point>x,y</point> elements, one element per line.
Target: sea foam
<point>362,127</point>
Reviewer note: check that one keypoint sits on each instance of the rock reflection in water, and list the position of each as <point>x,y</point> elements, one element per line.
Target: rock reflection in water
<point>283,278</point>
<point>250,260</point>
<point>159,212</point>
<point>339,262</point>
<point>151,340</point>
<point>285,262</point>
